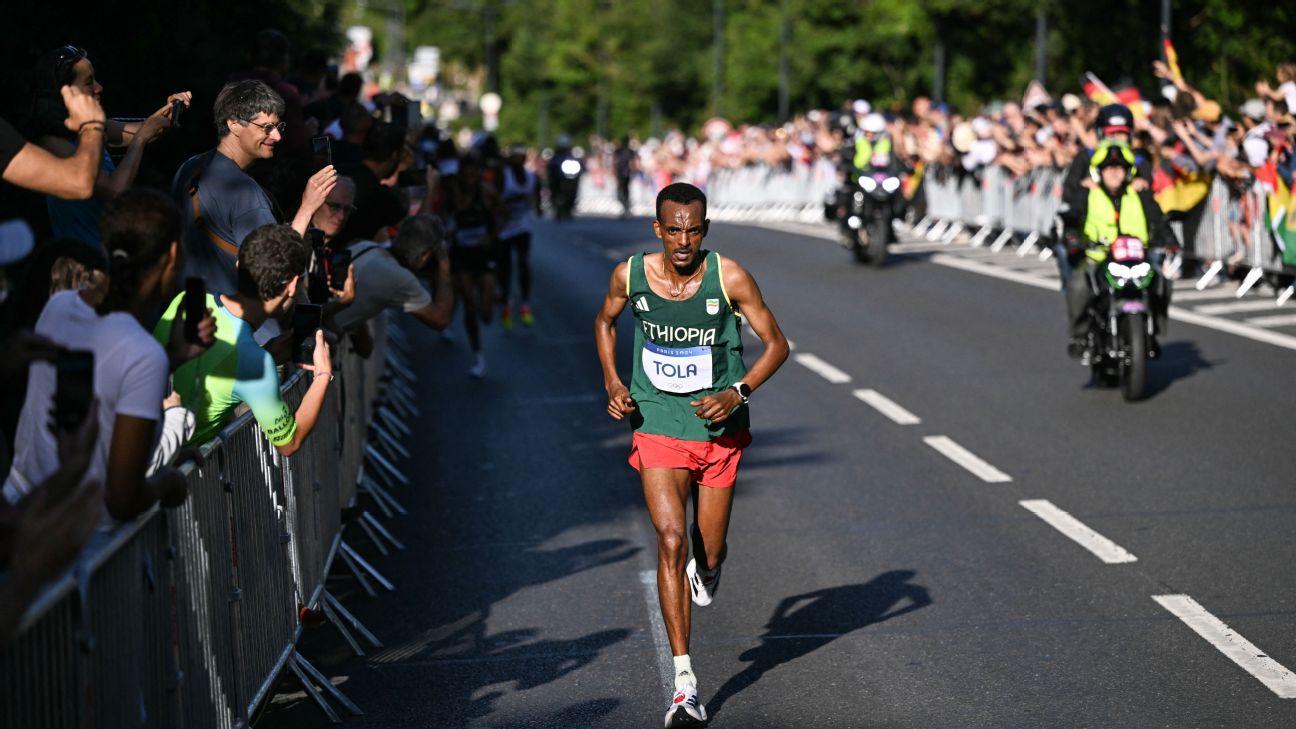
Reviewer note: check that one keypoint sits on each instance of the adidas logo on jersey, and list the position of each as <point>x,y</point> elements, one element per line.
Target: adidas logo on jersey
<point>641,304</point>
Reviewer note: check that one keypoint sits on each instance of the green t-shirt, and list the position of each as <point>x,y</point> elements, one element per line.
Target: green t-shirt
<point>234,370</point>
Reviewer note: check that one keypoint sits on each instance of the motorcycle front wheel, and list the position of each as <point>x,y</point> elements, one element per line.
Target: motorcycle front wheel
<point>879,235</point>
<point>1134,364</point>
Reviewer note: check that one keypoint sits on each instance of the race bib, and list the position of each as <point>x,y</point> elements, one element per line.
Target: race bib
<point>677,370</point>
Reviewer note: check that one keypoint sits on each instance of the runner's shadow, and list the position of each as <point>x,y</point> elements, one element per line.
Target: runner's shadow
<point>803,623</point>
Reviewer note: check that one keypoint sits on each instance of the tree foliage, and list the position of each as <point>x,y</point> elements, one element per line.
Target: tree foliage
<point>628,65</point>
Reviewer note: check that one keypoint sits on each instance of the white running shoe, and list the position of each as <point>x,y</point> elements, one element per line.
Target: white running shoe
<point>478,370</point>
<point>685,709</point>
<point>703,592</point>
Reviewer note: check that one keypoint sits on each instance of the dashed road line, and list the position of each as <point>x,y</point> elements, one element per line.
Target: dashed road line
<point>821,368</point>
<point>967,459</point>
<point>887,407</point>
<point>1227,641</point>
<point>1102,547</point>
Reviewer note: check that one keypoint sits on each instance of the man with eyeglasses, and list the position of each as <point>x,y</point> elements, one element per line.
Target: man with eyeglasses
<point>222,204</point>
<point>336,210</point>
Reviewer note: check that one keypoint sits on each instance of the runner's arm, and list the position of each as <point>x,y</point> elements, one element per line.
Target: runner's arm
<point>619,402</point>
<point>746,296</point>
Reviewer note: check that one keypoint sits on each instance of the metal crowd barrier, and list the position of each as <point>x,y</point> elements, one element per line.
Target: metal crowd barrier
<point>750,193</point>
<point>1232,228</point>
<point>186,617</point>
<point>991,203</point>
<point>1234,231</point>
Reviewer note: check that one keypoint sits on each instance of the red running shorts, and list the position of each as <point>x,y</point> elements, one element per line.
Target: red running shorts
<point>713,464</point>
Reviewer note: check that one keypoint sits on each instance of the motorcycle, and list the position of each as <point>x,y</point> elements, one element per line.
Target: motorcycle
<point>1121,321</point>
<point>565,186</point>
<point>871,203</point>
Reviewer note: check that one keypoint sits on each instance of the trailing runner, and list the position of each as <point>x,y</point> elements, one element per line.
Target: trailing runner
<point>687,402</point>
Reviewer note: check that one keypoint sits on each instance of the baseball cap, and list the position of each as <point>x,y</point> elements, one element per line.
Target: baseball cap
<point>1253,109</point>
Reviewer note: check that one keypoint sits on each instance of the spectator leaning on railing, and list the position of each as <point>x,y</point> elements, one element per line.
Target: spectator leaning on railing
<point>389,279</point>
<point>220,202</point>
<point>271,264</point>
<point>141,229</point>
<point>377,206</point>
<point>69,65</point>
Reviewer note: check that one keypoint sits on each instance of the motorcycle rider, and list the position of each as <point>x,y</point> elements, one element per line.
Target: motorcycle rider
<point>872,145</point>
<point>1115,122</point>
<point>563,175</point>
<point>1113,207</point>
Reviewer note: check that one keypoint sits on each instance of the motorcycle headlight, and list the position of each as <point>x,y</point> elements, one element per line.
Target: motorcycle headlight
<point>858,197</point>
<point>571,167</point>
<point>867,183</point>
<point>1119,271</point>
<point>1140,271</point>
<point>891,184</point>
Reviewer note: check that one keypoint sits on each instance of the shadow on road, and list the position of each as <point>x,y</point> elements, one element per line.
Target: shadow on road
<point>528,665</point>
<point>804,623</point>
<point>1179,360</point>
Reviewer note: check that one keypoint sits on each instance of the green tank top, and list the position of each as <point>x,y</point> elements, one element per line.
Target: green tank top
<point>683,350</point>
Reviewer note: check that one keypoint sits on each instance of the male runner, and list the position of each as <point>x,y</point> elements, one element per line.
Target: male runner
<point>687,402</point>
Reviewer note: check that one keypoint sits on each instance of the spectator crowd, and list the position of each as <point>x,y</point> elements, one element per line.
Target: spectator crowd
<point>1182,139</point>
<point>138,322</point>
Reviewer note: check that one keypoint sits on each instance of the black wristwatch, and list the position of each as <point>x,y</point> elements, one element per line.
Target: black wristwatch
<point>743,390</point>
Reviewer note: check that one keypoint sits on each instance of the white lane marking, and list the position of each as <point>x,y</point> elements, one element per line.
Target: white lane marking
<point>887,407</point>
<point>1277,320</point>
<point>791,345</point>
<point>648,578</point>
<point>966,459</point>
<point>1177,313</point>
<point>821,368</point>
<point>1240,650</point>
<point>993,271</point>
<point>1190,293</point>
<point>1232,327</point>
<point>1102,547</point>
<point>1236,307</point>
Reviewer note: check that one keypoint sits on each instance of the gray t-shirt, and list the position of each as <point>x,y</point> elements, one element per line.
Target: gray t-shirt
<point>232,204</point>
<point>381,283</point>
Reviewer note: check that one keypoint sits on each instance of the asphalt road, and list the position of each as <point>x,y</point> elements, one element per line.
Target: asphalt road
<point>872,581</point>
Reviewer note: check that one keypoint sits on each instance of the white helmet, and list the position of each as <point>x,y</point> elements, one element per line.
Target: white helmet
<point>861,107</point>
<point>874,123</point>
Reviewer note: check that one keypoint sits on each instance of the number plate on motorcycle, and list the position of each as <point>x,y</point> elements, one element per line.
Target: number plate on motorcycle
<point>1127,249</point>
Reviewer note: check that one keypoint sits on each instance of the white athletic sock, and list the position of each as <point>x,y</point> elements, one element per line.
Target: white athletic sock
<point>684,672</point>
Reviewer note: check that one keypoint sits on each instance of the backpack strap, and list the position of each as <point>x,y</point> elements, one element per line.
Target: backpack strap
<point>192,191</point>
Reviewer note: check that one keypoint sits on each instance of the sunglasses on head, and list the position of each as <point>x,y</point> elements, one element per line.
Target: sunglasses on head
<point>65,58</point>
